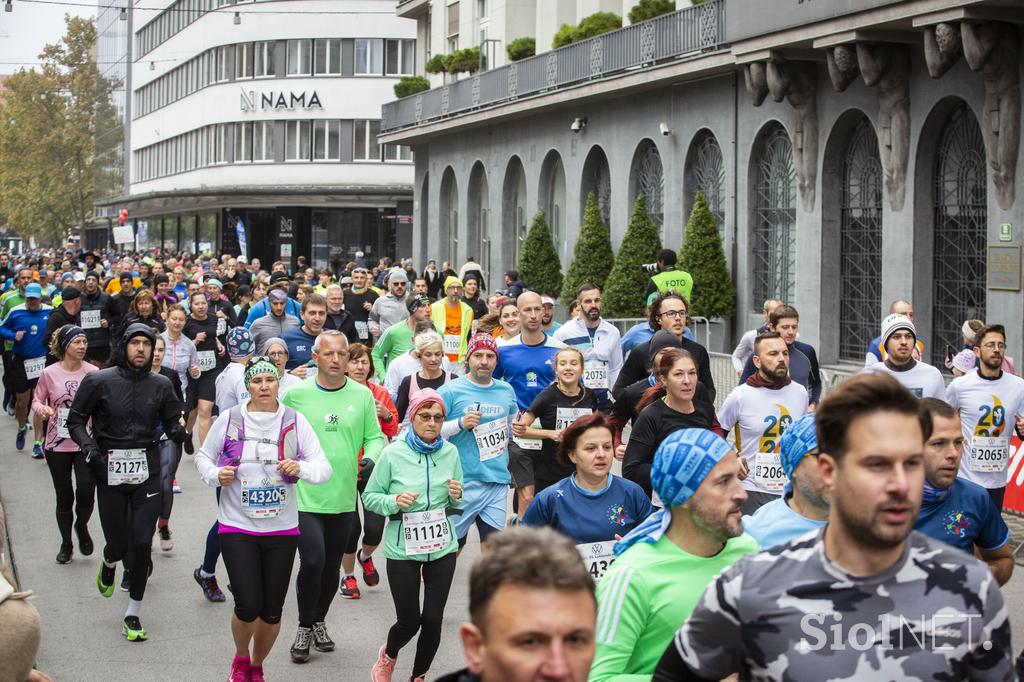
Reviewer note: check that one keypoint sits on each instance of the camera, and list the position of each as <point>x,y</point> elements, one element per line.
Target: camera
<point>650,268</point>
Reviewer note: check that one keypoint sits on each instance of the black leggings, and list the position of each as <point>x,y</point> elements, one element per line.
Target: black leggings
<point>128,515</point>
<point>404,580</point>
<point>374,530</point>
<point>74,502</point>
<point>170,457</point>
<point>260,569</point>
<point>212,544</point>
<point>321,544</point>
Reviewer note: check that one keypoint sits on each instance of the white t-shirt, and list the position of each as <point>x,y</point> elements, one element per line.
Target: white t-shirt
<point>923,380</point>
<point>988,412</point>
<point>230,387</point>
<point>758,417</point>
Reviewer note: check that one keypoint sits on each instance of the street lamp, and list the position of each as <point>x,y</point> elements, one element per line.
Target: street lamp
<point>483,46</point>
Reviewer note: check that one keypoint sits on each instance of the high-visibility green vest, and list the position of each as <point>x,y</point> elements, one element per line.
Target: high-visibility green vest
<point>674,280</point>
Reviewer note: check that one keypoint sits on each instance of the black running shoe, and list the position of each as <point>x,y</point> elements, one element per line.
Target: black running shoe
<point>210,588</point>
<point>64,555</point>
<point>190,449</point>
<point>300,649</point>
<point>84,539</point>
<point>321,640</point>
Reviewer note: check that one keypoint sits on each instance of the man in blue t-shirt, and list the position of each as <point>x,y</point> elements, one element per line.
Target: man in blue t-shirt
<point>527,362</point>
<point>300,340</point>
<point>803,505</point>
<point>954,510</point>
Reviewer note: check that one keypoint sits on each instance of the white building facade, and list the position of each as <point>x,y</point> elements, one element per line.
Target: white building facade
<point>258,121</point>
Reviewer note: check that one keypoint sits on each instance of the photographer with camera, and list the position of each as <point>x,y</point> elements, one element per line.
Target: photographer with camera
<point>668,277</point>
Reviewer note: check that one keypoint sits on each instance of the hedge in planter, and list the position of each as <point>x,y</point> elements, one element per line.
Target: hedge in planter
<point>592,256</point>
<point>702,256</point>
<point>521,48</point>
<point>538,262</point>
<point>410,85</point>
<point>624,291</point>
<point>648,9</point>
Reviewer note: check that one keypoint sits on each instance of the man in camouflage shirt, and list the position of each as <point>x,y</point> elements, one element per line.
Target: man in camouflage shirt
<point>865,598</point>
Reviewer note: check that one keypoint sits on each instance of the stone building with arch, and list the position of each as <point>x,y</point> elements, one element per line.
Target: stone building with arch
<point>852,153</point>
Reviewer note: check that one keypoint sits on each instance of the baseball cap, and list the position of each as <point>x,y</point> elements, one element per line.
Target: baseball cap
<point>79,276</point>
<point>547,300</point>
<point>278,276</point>
<point>33,290</point>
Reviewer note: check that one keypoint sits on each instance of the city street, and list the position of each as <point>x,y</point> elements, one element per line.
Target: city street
<point>189,637</point>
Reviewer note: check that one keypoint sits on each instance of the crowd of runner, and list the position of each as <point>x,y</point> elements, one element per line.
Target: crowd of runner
<point>341,417</point>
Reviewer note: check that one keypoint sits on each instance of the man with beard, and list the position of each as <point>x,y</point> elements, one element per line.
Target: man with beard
<point>803,505</point>
<point>803,361</point>
<point>865,597</point>
<point>597,339</point>
<point>547,318</point>
<point>899,339</point>
<point>761,409</point>
<point>664,564</point>
<point>954,510</point>
<point>359,300</point>
<point>988,399</point>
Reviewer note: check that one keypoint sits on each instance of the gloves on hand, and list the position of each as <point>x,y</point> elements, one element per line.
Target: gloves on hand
<point>365,469</point>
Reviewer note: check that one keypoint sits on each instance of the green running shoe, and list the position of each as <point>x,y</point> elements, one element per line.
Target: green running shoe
<point>105,588</point>
<point>133,630</point>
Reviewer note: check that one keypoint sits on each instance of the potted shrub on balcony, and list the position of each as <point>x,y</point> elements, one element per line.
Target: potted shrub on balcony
<point>410,85</point>
<point>648,9</point>
<point>521,48</point>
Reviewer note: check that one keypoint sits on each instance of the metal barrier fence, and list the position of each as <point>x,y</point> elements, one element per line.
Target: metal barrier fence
<point>624,324</point>
<point>678,34</point>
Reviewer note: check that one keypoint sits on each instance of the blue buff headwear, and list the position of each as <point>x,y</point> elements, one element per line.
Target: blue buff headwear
<point>798,441</point>
<point>681,463</point>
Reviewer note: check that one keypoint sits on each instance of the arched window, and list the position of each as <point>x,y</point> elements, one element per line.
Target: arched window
<point>773,240</point>
<point>860,243</point>
<point>960,214</point>
<point>513,208</point>
<point>450,213</point>
<point>648,178</point>
<point>479,218</point>
<point>552,190</point>
<point>705,173</point>
<point>597,179</point>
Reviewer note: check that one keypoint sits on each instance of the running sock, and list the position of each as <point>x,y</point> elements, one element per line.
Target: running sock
<point>359,555</point>
<point>204,574</point>
<point>23,429</point>
<point>348,575</point>
<point>134,608</point>
<point>161,522</point>
<point>109,564</point>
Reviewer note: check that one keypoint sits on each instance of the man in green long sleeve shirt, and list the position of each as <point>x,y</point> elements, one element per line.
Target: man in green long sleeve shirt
<point>344,417</point>
<point>398,337</point>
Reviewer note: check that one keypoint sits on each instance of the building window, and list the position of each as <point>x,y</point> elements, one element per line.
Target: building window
<point>300,59</point>
<point>243,142</point>
<point>400,57</point>
<point>705,173</point>
<point>221,136</point>
<point>482,11</point>
<point>365,143</point>
<point>397,152</point>
<point>327,56</point>
<point>326,140</point>
<point>369,56</point>
<point>243,60</point>
<point>297,140</point>
<point>222,61</point>
<point>263,141</point>
<point>264,60</point>
<point>774,225</point>
<point>453,19</point>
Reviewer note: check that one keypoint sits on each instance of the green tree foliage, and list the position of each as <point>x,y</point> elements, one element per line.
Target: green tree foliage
<point>48,147</point>
<point>521,48</point>
<point>648,9</point>
<point>563,37</point>
<point>624,291</point>
<point>596,24</point>
<point>702,256</point>
<point>538,262</point>
<point>592,256</point>
<point>410,85</point>
<point>464,61</point>
<point>436,64</point>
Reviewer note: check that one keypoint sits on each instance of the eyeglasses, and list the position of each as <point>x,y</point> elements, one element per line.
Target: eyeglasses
<point>278,354</point>
<point>673,314</point>
<point>436,418</point>
<point>995,345</point>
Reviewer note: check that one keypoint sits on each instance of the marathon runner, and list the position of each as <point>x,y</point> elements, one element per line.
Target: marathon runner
<point>804,503</point>
<point>453,319</point>
<point>481,411</point>
<point>955,510</point>
<point>416,483</point>
<point>343,414</point>
<point>52,398</point>
<point>170,452</point>
<point>591,506</point>
<point>398,338</point>
<point>390,309</point>
<point>10,300</point>
<point>408,363</point>
<point>202,328</point>
<point>359,300</point>
<point>126,404</point>
<point>989,401</point>
<point>803,362</point>
<point>865,597</point>
<point>745,348</point>
<point>428,349</point>
<point>255,453</point>
<point>899,338</point>
<point>276,321</point>
<point>25,326</point>
<point>556,407</point>
<point>760,410</point>
<point>300,340</point>
<point>337,317</point>
<point>877,352</point>
<point>664,564</point>
<point>598,340</point>
<point>95,316</point>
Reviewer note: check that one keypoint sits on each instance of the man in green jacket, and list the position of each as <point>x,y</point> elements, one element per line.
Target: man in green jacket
<point>398,337</point>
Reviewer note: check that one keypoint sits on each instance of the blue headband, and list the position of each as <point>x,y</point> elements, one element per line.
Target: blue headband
<point>681,464</point>
<point>799,440</point>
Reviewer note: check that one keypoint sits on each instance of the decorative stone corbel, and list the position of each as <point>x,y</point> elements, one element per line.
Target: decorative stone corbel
<point>843,68</point>
<point>797,83</point>
<point>993,48</point>
<point>887,66</point>
<point>756,81</point>
<point>942,47</point>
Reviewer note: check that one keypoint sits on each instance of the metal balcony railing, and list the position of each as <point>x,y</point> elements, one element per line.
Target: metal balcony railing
<point>696,29</point>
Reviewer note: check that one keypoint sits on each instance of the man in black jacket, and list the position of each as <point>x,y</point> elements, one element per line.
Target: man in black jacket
<point>65,313</point>
<point>127,403</point>
<point>337,317</point>
<point>95,316</point>
<point>121,302</point>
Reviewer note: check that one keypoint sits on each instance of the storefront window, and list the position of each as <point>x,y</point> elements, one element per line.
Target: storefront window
<point>187,234</point>
<point>170,239</point>
<point>207,232</point>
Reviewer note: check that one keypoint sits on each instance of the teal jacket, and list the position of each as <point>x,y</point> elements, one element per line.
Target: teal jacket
<point>400,469</point>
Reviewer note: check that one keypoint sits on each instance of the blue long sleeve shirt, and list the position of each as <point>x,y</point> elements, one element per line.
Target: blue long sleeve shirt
<point>261,308</point>
<point>33,323</point>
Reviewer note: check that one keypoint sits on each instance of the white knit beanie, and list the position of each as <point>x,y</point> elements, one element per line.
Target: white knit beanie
<point>893,323</point>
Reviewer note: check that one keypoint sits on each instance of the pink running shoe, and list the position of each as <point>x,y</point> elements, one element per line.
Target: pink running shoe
<point>384,668</point>
<point>256,674</point>
<point>239,669</point>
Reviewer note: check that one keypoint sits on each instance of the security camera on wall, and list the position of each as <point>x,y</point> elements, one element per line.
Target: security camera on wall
<point>578,124</point>
<point>665,130</point>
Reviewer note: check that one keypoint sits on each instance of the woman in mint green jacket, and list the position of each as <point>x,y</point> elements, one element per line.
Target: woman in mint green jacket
<point>415,482</point>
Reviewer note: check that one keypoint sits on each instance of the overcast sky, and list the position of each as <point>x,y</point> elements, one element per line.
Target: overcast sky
<point>25,31</point>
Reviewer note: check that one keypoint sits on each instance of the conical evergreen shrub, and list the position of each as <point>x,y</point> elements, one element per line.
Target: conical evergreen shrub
<point>592,258</point>
<point>624,290</point>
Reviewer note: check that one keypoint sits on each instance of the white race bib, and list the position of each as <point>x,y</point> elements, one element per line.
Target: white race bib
<point>262,497</point>
<point>207,360</point>
<point>363,330</point>
<point>426,532</point>
<point>62,422</point>
<point>595,374</point>
<point>491,438</point>
<point>452,344</point>
<point>597,557</point>
<point>90,319</point>
<point>567,415</point>
<point>768,471</point>
<point>127,467</point>
<point>989,455</point>
<point>529,443</point>
<point>222,326</point>
<point>34,367</point>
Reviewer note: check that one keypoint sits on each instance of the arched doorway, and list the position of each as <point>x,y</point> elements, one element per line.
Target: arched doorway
<point>552,192</point>
<point>478,219</point>
<point>513,209</point>
<point>450,214</point>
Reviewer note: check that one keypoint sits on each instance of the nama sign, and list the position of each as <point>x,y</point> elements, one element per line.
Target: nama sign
<point>253,101</point>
